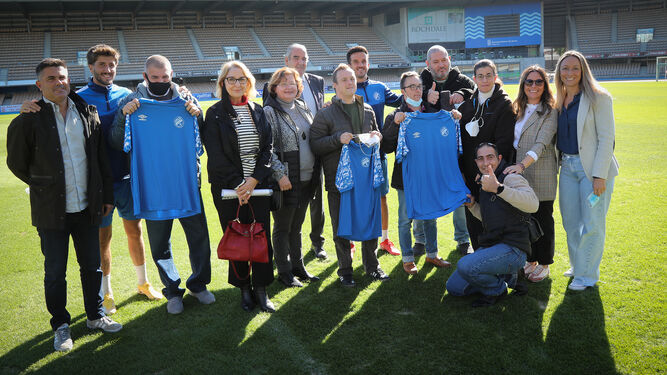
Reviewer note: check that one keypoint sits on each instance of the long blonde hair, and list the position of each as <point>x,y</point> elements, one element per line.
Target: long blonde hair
<point>250,91</point>
<point>588,84</point>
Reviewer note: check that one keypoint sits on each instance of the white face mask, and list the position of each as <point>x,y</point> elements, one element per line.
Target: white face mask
<point>473,128</point>
<point>368,139</point>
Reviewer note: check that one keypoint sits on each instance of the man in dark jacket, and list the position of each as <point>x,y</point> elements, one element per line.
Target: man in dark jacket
<point>59,152</point>
<point>440,76</point>
<point>296,57</point>
<point>333,127</point>
<point>503,205</point>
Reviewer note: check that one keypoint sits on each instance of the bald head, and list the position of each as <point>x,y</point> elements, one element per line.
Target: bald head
<point>157,61</point>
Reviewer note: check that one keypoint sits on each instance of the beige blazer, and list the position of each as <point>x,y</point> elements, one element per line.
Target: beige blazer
<point>538,135</point>
<point>596,136</point>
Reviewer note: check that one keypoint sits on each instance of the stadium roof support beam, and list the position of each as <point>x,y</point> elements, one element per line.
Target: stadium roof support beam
<point>212,6</point>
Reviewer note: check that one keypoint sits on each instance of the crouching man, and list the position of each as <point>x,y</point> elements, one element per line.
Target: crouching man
<point>504,205</point>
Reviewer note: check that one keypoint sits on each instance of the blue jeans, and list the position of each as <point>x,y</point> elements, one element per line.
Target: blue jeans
<point>429,232</point>
<point>196,234</point>
<point>460,227</point>
<point>584,226</point>
<point>486,271</point>
<point>55,246</point>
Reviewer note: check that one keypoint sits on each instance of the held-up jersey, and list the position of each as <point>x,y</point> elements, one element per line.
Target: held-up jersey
<point>429,145</point>
<point>163,141</point>
<point>358,179</point>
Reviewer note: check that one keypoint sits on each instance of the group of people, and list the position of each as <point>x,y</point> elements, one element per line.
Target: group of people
<point>80,156</point>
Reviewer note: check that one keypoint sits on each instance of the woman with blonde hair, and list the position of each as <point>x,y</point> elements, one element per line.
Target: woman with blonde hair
<point>238,142</point>
<point>534,142</point>
<point>585,139</point>
<point>294,169</point>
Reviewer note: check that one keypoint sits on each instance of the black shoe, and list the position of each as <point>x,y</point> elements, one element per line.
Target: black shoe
<point>304,275</point>
<point>519,289</point>
<point>418,249</point>
<point>247,302</point>
<point>263,300</point>
<point>289,280</point>
<point>463,248</point>
<point>347,281</point>
<point>319,252</point>
<point>488,300</point>
<point>378,275</point>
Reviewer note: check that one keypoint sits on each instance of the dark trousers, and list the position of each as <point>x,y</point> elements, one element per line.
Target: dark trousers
<point>543,249</point>
<point>368,248</point>
<point>286,236</point>
<point>196,234</point>
<point>475,228</point>
<point>317,218</point>
<point>55,247</point>
<point>239,272</point>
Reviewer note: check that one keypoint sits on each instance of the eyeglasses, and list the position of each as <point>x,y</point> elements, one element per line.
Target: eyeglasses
<point>414,87</point>
<point>287,84</point>
<point>483,77</point>
<point>232,81</point>
<point>534,82</point>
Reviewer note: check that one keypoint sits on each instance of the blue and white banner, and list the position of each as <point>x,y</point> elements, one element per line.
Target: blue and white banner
<point>529,31</point>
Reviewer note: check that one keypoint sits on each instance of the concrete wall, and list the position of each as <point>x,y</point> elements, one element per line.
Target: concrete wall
<point>396,35</point>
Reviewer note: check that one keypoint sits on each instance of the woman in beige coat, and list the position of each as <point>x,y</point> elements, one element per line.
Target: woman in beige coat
<point>534,141</point>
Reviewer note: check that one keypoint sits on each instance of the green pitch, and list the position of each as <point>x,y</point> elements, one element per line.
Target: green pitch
<point>406,325</point>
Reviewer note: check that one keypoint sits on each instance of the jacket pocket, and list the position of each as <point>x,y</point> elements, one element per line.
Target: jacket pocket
<point>36,180</point>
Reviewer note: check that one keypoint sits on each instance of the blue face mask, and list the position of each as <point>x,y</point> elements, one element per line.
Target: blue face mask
<point>412,102</point>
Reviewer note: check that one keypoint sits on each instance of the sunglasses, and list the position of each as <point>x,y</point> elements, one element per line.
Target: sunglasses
<point>534,82</point>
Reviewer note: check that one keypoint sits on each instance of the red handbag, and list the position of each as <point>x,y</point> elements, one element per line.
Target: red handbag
<point>244,242</point>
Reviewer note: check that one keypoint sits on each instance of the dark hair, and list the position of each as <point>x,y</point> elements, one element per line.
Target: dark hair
<point>407,75</point>
<point>101,50</point>
<point>487,144</point>
<point>547,98</point>
<point>355,49</point>
<point>47,63</point>
<point>486,63</point>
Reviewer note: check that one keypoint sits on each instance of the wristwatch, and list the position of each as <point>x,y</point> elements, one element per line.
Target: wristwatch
<point>500,189</point>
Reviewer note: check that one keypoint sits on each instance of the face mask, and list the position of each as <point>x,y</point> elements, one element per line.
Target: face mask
<point>473,128</point>
<point>412,102</point>
<point>368,139</point>
<point>158,88</point>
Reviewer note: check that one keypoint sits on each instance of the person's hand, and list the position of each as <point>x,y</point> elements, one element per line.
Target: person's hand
<point>433,96</point>
<point>516,168</point>
<point>377,134</point>
<point>130,107</point>
<point>325,105</point>
<point>346,137</point>
<point>456,114</point>
<point>489,181</point>
<point>284,183</point>
<point>192,108</point>
<point>106,209</point>
<point>30,106</point>
<point>455,98</point>
<point>182,90</point>
<point>399,117</point>
<point>244,192</point>
<point>599,186</point>
<point>472,201</point>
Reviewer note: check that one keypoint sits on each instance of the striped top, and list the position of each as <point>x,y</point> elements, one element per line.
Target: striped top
<point>248,139</point>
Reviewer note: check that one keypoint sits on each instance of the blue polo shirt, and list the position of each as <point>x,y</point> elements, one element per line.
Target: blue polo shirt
<point>567,141</point>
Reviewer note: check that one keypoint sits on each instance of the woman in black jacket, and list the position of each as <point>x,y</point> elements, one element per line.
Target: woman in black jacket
<point>294,169</point>
<point>238,142</point>
<point>487,117</point>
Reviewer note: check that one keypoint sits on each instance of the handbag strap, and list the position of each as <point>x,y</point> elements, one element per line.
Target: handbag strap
<point>238,209</point>
<point>237,274</point>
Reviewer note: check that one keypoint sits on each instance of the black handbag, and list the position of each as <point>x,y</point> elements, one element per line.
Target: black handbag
<point>535,231</point>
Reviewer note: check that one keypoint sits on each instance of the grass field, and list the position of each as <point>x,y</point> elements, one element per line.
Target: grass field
<point>406,325</point>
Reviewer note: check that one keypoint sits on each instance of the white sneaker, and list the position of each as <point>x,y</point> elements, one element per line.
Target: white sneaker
<point>104,323</point>
<point>577,286</point>
<point>175,305</point>
<point>62,341</point>
<point>568,273</point>
<point>205,297</point>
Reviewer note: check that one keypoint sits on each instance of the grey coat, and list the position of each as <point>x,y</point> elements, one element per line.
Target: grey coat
<point>538,135</point>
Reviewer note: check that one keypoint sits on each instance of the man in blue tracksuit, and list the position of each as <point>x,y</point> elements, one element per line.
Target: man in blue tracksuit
<point>377,95</point>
